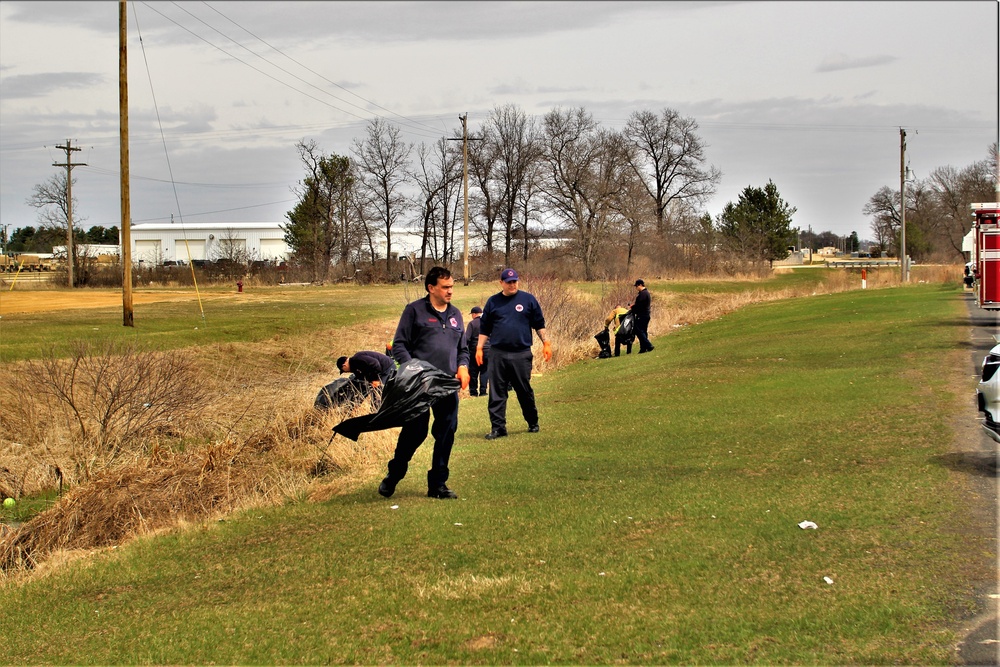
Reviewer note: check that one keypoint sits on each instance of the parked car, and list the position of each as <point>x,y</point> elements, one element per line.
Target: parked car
<point>988,393</point>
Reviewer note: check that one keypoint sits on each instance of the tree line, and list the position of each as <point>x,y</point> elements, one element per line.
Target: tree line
<point>41,239</point>
<point>559,186</point>
<point>608,195</point>
<point>937,210</point>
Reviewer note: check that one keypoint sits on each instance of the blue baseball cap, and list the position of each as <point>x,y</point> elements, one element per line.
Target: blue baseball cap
<point>508,275</point>
<point>476,309</point>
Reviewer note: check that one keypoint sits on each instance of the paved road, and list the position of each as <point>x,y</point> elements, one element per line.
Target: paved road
<point>978,459</point>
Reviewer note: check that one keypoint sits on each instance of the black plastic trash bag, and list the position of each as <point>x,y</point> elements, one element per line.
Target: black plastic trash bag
<point>604,340</point>
<point>345,391</point>
<point>408,394</point>
<point>626,330</point>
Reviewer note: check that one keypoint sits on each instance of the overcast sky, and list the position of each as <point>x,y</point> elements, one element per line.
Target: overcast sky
<point>810,95</point>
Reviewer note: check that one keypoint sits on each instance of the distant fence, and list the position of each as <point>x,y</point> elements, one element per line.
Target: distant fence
<point>863,263</point>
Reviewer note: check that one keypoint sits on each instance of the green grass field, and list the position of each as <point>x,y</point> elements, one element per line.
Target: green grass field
<point>653,520</point>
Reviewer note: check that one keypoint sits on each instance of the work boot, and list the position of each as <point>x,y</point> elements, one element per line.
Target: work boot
<point>533,428</point>
<point>442,492</point>
<point>387,487</point>
<point>496,433</point>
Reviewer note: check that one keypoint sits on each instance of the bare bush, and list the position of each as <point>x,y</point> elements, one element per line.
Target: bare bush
<point>107,401</point>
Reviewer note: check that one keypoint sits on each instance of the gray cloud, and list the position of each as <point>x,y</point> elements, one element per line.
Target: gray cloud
<point>20,86</point>
<point>840,61</point>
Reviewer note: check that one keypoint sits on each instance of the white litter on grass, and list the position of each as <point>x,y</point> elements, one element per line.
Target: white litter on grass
<point>394,507</point>
<point>828,580</point>
<point>808,524</point>
<point>458,524</point>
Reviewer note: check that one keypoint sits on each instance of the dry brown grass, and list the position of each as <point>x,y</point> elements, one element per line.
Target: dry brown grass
<point>257,441</point>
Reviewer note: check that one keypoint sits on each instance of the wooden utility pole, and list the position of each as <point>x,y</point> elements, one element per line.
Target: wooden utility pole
<point>69,164</point>
<point>465,182</point>
<point>904,274</point>
<point>465,186</point>
<point>126,232</point>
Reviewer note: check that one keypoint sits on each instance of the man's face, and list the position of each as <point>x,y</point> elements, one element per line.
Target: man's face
<point>346,366</point>
<point>509,288</point>
<point>441,291</point>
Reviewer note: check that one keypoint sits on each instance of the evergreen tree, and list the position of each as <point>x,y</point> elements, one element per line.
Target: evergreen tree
<point>758,226</point>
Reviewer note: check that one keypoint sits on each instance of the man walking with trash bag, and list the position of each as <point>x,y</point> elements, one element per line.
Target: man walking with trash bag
<point>508,320</point>
<point>430,329</point>
<point>640,308</point>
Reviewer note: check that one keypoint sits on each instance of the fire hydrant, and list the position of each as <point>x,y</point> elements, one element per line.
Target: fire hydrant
<point>239,285</point>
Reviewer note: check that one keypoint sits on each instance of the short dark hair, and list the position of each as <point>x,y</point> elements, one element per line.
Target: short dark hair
<point>434,275</point>
<point>340,364</point>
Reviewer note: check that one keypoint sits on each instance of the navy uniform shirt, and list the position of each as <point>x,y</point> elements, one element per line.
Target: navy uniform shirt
<point>437,338</point>
<point>472,336</point>
<point>508,320</point>
<point>371,365</point>
<point>641,305</point>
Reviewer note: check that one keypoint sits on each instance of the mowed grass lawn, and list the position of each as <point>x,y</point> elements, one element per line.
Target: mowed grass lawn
<point>654,519</point>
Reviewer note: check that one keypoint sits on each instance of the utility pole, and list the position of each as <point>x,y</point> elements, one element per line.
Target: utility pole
<point>126,230</point>
<point>904,274</point>
<point>69,164</point>
<point>465,182</point>
<point>465,196</point>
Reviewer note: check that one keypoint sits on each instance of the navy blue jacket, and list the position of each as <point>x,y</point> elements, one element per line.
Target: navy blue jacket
<point>371,365</point>
<point>641,304</point>
<point>437,338</point>
<point>508,320</point>
<point>472,336</point>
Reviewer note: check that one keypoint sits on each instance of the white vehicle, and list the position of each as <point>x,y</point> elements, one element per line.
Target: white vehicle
<point>988,393</point>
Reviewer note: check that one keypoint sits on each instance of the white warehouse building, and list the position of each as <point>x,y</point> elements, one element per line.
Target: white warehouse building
<point>155,243</point>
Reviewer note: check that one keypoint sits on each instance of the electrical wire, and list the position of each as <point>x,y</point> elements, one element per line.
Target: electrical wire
<point>166,154</point>
<point>273,78</point>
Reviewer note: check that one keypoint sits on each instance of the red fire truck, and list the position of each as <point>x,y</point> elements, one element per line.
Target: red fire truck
<point>986,255</point>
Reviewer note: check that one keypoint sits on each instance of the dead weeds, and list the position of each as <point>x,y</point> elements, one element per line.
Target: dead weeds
<point>258,441</point>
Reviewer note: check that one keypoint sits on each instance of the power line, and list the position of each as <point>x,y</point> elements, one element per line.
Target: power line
<point>260,71</point>
<point>308,69</point>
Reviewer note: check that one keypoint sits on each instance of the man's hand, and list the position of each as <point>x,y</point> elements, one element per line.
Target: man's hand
<point>463,375</point>
<point>547,350</point>
<point>479,356</point>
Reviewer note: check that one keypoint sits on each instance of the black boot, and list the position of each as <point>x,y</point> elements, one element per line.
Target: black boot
<point>436,488</point>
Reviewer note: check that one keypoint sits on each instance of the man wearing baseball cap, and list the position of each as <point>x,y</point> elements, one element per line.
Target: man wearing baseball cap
<point>508,320</point>
<point>478,379</point>
<point>640,308</point>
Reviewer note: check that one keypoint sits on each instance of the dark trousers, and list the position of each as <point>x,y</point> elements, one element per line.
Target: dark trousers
<point>511,370</point>
<point>627,343</point>
<point>641,325</point>
<point>478,375</point>
<point>411,436</point>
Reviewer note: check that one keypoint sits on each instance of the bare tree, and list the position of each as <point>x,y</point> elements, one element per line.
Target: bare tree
<point>669,158</point>
<point>517,148</point>
<point>483,164</point>
<point>383,162</point>
<point>49,199</point>
<point>952,192</point>
<point>586,169</point>
<point>529,206</point>
<point>439,170</point>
